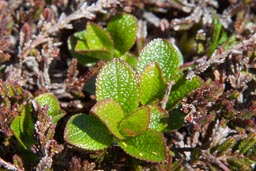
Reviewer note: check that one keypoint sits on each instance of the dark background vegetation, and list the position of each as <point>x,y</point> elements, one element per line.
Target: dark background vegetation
<point>219,128</point>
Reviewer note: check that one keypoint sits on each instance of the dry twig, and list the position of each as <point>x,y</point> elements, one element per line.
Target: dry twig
<point>7,165</point>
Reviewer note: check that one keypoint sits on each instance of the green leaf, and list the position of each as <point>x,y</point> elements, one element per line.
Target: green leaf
<point>81,45</point>
<point>158,118</point>
<point>99,54</point>
<point>182,88</point>
<point>130,59</point>
<point>217,28</point>
<point>26,121</point>
<point>52,102</point>
<point>27,126</point>
<point>110,113</point>
<point>136,123</point>
<point>149,146</point>
<point>90,86</point>
<point>123,30</point>
<point>81,35</point>
<point>15,127</point>
<point>117,80</point>
<point>85,51</point>
<point>23,127</point>
<point>176,119</point>
<point>78,43</point>
<point>152,83</point>
<point>97,38</point>
<point>162,52</point>
<point>87,132</point>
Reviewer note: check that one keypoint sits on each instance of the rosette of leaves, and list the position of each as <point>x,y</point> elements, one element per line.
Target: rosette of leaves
<point>95,43</point>
<point>128,111</point>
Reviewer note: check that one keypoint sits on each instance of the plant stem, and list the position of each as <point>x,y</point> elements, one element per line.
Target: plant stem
<point>7,165</point>
<point>214,160</point>
<point>167,93</point>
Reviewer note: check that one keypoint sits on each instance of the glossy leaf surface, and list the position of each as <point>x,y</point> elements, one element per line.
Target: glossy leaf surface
<point>97,38</point>
<point>162,52</point>
<point>77,43</point>
<point>123,30</point>
<point>87,132</point>
<point>15,127</point>
<point>110,113</point>
<point>136,123</point>
<point>149,146</point>
<point>158,118</point>
<point>23,127</point>
<point>79,46</point>
<point>51,101</point>
<point>27,124</point>
<point>118,81</point>
<point>152,84</point>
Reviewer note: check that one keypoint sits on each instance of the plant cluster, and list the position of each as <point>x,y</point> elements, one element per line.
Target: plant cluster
<point>130,108</point>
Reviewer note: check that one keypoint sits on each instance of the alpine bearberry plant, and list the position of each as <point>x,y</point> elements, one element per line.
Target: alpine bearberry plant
<point>131,109</point>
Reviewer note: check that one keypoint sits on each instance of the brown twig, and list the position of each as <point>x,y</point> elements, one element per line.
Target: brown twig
<point>167,93</point>
<point>64,21</point>
<point>7,165</point>
<point>218,58</point>
<point>214,160</point>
